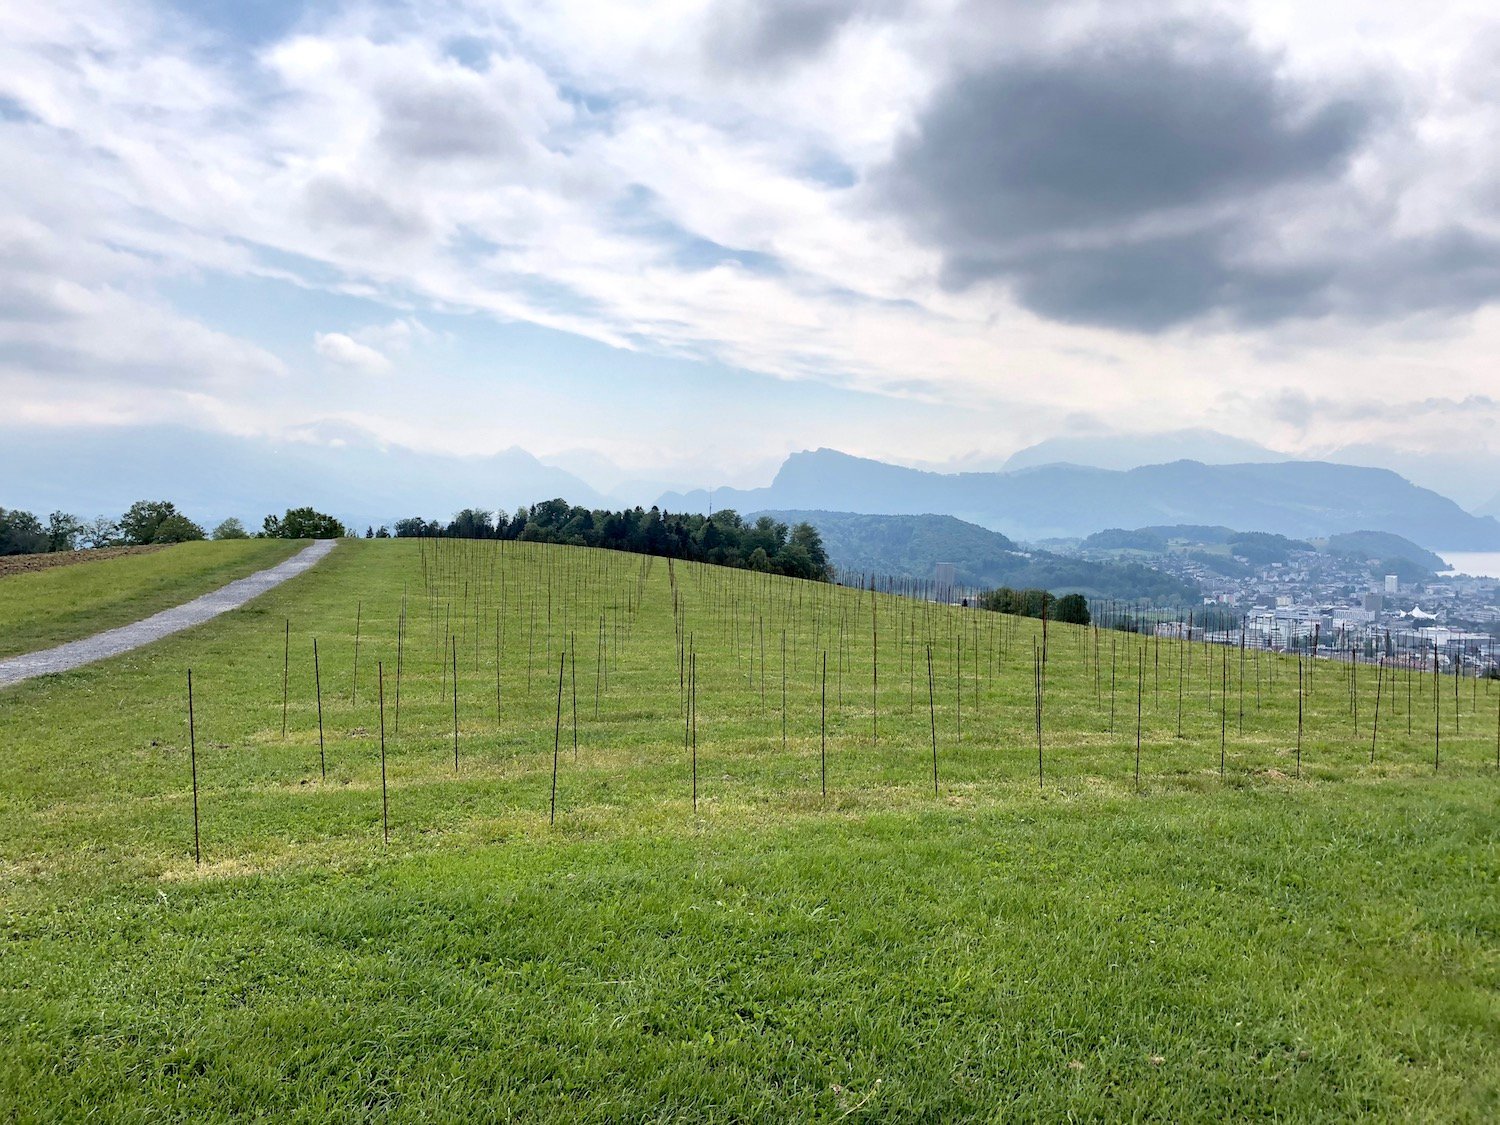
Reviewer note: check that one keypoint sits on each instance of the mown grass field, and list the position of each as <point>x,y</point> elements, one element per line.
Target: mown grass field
<point>60,604</point>
<point>1251,943</point>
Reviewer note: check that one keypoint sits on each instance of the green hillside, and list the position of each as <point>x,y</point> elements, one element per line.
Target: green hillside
<point>911,546</point>
<point>1383,545</point>
<point>63,603</point>
<point>743,910</point>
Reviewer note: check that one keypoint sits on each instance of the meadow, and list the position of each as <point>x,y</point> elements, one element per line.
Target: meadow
<point>60,604</point>
<point>593,836</point>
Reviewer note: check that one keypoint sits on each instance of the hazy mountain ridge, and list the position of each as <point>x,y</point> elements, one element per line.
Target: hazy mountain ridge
<point>910,546</point>
<point>211,476</point>
<point>1465,477</point>
<point>1301,499</point>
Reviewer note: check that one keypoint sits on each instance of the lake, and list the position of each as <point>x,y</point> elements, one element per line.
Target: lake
<point>1484,564</point>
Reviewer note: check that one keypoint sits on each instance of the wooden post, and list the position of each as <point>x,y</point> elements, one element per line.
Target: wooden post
<point>318,688</point>
<point>286,665</point>
<point>1140,695</point>
<point>823,754</point>
<point>932,719</point>
<point>557,736</point>
<point>385,802</point>
<point>193,759</point>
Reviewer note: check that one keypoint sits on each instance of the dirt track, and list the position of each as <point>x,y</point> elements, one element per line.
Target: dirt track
<point>28,564</point>
<point>113,642</point>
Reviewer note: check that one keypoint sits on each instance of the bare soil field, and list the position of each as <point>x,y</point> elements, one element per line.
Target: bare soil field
<point>26,564</point>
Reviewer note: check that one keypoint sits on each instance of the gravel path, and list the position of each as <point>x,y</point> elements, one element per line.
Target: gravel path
<point>100,646</point>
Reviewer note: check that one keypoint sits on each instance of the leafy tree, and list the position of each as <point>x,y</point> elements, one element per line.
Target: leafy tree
<point>413,527</point>
<point>141,520</point>
<point>21,533</point>
<point>177,528</point>
<point>1072,609</point>
<point>383,532</point>
<point>471,523</point>
<point>231,529</point>
<point>101,531</point>
<point>1021,603</point>
<point>806,536</point>
<point>303,523</point>
<point>62,531</point>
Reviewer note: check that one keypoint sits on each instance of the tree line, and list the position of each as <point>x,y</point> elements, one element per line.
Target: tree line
<point>724,538</point>
<point>1073,609</point>
<point>146,522</point>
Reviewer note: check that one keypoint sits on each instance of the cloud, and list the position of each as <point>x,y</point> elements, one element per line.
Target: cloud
<point>346,352</point>
<point>748,33</point>
<point>399,336</point>
<point>1124,180</point>
<point>998,204</point>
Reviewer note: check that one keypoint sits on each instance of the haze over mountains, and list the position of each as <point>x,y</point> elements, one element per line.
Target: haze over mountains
<point>212,476</point>
<point>1295,498</point>
<point>1465,475</point>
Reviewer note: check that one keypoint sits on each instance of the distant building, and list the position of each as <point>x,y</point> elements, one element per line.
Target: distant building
<point>1391,585</point>
<point>1373,603</point>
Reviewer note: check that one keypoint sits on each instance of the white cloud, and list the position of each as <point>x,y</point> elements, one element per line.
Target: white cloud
<point>613,174</point>
<point>343,351</point>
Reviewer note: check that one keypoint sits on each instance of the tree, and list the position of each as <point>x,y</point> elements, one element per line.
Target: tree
<point>231,529</point>
<point>140,521</point>
<point>806,536</point>
<point>101,531</point>
<point>177,528</point>
<point>471,523</point>
<point>21,533</point>
<point>1072,609</point>
<point>62,531</point>
<point>303,523</point>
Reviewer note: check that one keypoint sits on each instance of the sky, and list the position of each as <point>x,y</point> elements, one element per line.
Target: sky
<point>677,241</point>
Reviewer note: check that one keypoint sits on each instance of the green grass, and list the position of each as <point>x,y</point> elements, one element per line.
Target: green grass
<point>50,607</point>
<point>1256,944</point>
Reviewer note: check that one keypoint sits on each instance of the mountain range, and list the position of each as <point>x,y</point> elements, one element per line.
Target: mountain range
<point>1462,473</point>
<point>348,473</point>
<point>1301,499</point>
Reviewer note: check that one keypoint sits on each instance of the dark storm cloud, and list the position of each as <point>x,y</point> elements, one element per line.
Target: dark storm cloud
<point>1150,284</point>
<point>1109,134</point>
<point>1129,183</point>
<point>753,33</point>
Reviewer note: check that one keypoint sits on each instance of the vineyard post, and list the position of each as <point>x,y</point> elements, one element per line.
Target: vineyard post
<point>193,759</point>
<point>385,802</point>
<point>557,737</point>
<point>318,688</point>
<point>286,665</point>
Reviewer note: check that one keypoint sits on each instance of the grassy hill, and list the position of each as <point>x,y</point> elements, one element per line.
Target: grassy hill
<point>39,609</point>
<point>739,913</point>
